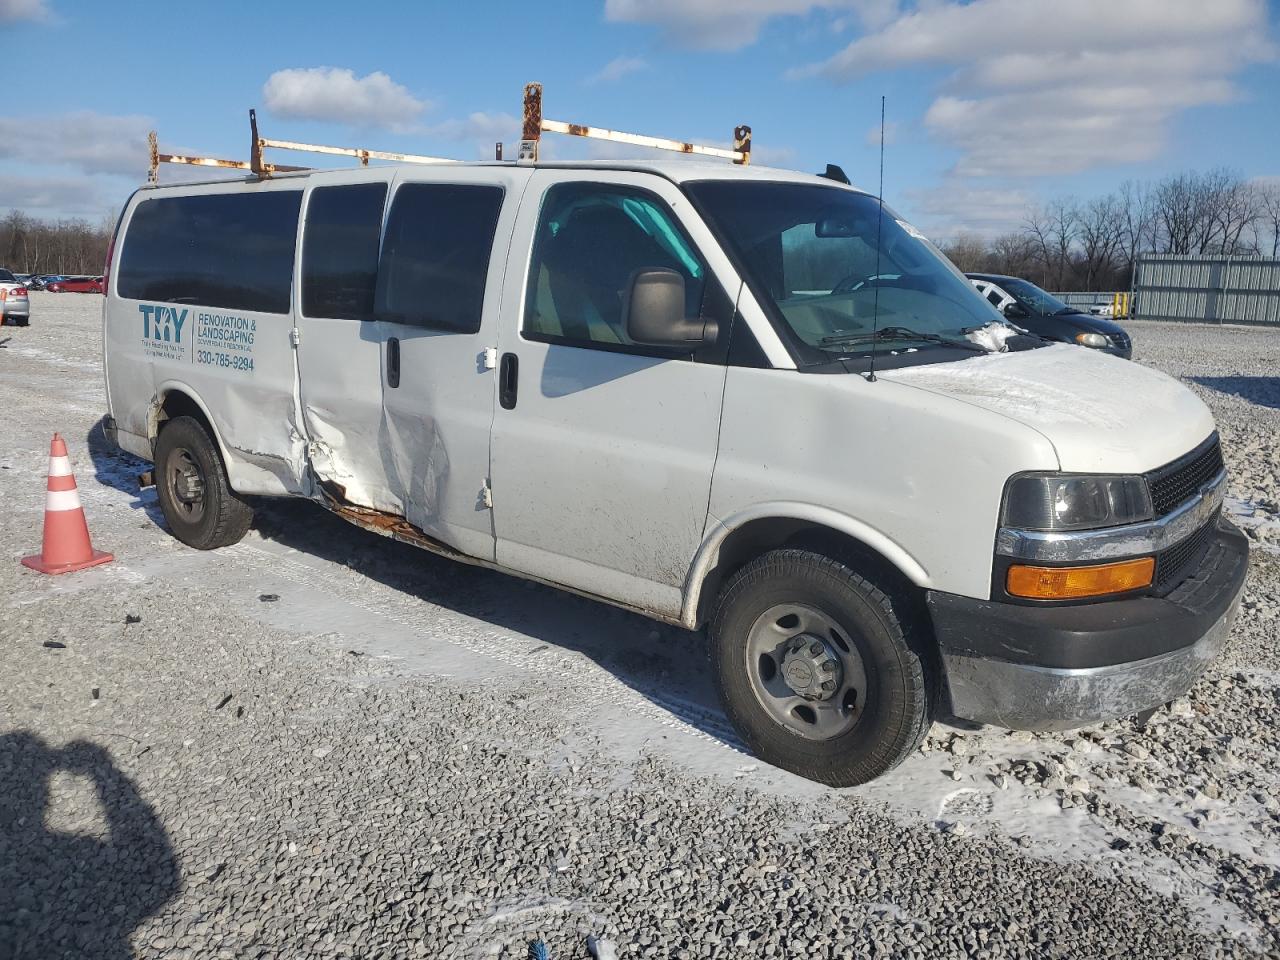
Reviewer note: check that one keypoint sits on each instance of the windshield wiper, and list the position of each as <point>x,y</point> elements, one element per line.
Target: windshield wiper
<point>897,333</point>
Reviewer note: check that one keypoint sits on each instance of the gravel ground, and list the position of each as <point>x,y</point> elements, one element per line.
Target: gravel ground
<point>322,743</point>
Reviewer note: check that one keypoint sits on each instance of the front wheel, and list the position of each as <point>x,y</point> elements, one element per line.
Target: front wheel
<point>817,671</point>
<point>201,508</point>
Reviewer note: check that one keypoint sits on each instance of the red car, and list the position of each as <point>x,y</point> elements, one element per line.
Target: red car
<point>76,285</point>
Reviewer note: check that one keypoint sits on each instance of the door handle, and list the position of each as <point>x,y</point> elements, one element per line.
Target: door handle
<point>508,380</point>
<point>393,362</point>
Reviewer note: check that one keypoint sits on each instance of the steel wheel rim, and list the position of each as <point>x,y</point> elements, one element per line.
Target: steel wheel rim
<point>768,641</point>
<point>186,485</point>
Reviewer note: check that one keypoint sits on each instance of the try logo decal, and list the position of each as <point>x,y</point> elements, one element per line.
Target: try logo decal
<point>162,323</point>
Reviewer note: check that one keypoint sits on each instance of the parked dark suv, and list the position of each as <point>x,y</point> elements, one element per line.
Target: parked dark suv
<point>1027,306</point>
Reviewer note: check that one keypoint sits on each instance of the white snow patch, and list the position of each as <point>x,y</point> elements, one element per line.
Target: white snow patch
<point>1252,517</point>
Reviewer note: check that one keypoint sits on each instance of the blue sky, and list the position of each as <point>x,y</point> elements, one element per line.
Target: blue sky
<point>993,104</point>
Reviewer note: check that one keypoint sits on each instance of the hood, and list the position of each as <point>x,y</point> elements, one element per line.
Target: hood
<point>1099,412</point>
<point>1088,322</point>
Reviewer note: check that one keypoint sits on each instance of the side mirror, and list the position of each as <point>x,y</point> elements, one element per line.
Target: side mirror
<point>653,312</point>
<point>1013,310</point>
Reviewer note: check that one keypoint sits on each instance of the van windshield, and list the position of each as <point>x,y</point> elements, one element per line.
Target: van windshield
<point>810,255</point>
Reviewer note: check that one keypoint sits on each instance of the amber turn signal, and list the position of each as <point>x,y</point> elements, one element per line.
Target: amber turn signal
<point>1069,583</point>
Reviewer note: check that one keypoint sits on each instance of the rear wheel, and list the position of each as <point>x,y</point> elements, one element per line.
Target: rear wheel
<point>817,669</point>
<point>198,503</point>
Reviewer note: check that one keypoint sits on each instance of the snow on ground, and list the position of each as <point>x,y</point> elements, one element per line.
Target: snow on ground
<point>350,747</point>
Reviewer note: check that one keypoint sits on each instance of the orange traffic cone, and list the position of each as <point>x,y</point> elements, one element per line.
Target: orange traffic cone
<point>66,534</point>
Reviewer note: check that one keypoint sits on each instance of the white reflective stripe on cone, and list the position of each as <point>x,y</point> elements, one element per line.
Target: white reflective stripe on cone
<point>59,466</point>
<point>56,500</point>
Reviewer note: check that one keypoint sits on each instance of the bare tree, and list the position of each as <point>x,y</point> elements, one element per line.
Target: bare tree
<point>1013,254</point>
<point>28,245</point>
<point>1205,213</point>
<point>1064,227</point>
<point>1267,225</point>
<point>1138,209</point>
<point>967,251</point>
<point>1101,228</point>
<point>1038,229</point>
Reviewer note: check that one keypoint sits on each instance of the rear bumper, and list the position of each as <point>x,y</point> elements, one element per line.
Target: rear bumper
<point>15,308</point>
<point>1057,668</point>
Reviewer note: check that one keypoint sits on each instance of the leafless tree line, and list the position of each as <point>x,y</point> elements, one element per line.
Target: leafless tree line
<point>29,245</point>
<point>1072,244</point>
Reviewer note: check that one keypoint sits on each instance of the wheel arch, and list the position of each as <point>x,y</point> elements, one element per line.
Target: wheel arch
<point>747,534</point>
<point>177,399</point>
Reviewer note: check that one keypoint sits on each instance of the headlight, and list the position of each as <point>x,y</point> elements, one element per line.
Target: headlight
<point>1091,340</point>
<point>1051,501</point>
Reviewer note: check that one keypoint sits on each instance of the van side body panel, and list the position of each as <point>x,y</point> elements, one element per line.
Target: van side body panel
<point>916,476</point>
<point>602,468</point>
<point>236,364</point>
<point>436,424</point>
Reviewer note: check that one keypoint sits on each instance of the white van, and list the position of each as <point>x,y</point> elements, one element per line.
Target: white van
<point>702,392</point>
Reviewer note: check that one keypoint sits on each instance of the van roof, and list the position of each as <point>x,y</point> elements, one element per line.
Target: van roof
<point>678,169</point>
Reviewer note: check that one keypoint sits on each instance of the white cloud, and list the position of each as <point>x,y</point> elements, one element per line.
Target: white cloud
<point>336,94</point>
<point>55,197</point>
<point>731,24</point>
<point>481,130</point>
<point>90,142</point>
<point>958,206</point>
<point>1045,87</point>
<point>618,68</point>
<point>12,11</point>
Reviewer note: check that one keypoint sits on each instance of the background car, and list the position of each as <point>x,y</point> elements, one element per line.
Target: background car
<point>15,305</point>
<point>1027,306</point>
<point>75,285</point>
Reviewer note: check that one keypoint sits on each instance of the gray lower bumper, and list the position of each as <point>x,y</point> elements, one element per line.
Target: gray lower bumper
<point>1027,697</point>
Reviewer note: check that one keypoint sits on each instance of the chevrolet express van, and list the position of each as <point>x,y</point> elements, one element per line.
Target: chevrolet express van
<point>728,397</point>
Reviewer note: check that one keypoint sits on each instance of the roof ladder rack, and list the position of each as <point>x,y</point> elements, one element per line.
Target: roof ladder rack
<point>535,124</point>
<point>262,169</point>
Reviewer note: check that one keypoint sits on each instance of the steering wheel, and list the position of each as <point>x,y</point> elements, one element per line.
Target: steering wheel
<point>856,281</point>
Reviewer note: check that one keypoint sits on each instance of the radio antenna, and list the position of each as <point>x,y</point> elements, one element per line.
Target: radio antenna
<point>875,280</point>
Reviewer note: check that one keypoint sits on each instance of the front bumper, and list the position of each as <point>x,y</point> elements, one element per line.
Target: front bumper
<point>1061,667</point>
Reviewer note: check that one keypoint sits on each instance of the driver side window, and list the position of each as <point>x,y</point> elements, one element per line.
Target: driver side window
<point>591,239</point>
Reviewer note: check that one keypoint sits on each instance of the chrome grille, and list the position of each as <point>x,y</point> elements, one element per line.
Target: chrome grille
<point>1176,482</point>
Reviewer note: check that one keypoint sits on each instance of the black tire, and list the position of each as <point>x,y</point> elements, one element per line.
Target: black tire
<point>24,322</point>
<point>889,718</point>
<point>207,513</point>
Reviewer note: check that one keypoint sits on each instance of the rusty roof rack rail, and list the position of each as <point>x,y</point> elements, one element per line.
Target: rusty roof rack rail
<point>262,169</point>
<point>535,124</point>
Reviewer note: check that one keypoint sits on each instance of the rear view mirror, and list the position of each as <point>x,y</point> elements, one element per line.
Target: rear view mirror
<point>1013,310</point>
<point>653,312</point>
<point>832,227</point>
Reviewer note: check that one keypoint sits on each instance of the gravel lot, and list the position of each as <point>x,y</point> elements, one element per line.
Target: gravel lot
<point>322,743</point>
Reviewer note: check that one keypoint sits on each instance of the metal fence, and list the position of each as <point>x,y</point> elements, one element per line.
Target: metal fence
<point>1084,301</point>
<point>1197,289</point>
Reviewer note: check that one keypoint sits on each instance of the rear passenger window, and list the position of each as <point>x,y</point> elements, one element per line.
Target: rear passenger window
<point>995,296</point>
<point>435,256</point>
<point>340,251</point>
<point>232,250</point>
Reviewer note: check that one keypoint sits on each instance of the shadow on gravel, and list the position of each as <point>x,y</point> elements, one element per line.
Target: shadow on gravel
<point>119,470</point>
<point>666,665</point>
<point>1263,391</point>
<point>72,894</point>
